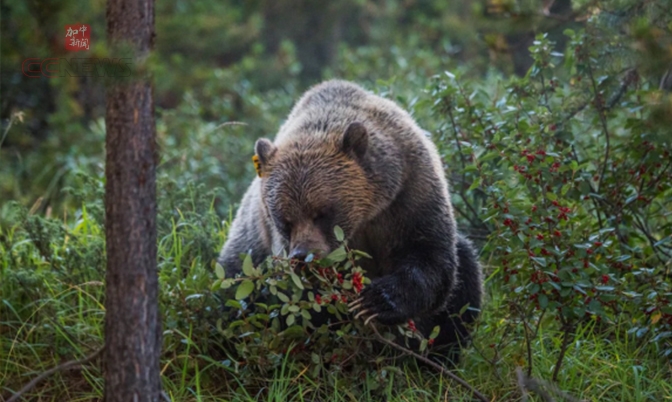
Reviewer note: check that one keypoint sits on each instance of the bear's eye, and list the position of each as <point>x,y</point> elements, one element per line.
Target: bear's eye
<point>322,215</point>
<point>285,226</point>
<point>324,219</point>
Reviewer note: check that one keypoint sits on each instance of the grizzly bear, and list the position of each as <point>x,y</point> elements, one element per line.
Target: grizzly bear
<point>346,157</point>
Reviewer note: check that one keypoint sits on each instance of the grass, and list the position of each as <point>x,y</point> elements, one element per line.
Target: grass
<point>51,279</point>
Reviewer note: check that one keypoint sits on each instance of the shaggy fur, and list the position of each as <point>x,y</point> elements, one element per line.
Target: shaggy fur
<point>350,158</point>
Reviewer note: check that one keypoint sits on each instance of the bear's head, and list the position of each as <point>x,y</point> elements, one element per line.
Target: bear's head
<point>314,183</point>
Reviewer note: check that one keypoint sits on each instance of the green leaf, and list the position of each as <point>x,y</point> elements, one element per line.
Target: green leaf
<point>244,289</point>
<point>292,332</point>
<point>219,271</point>
<point>543,300</point>
<point>226,283</point>
<point>475,184</point>
<point>248,269</point>
<point>361,254</point>
<point>216,285</point>
<point>435,332</point>
<point>423,345</point>
<point>233,303</point>
<point>290,320</point>
<point>338,255</point>
<point>339,233</point>
<point>464,308</point>
<point>296,279</point>
<point>283,297</point>
<point>306,314</point>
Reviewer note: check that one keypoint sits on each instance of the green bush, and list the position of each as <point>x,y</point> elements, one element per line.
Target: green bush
<point>280,307</point>
<point>567,175</point>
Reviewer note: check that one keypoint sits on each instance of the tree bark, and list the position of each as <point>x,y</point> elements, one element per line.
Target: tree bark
<point>132,322</point>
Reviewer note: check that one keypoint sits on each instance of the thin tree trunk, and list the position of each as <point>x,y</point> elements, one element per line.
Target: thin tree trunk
<point>132,322</point>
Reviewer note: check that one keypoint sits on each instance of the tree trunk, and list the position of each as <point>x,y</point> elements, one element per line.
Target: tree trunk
<point>132,322</point>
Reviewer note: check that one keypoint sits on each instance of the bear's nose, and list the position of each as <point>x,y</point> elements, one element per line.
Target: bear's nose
<point>299,252</point>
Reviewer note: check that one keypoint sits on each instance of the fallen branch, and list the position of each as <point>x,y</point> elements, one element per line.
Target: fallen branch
<point>435,365</point>
<point>72,364</point>
<point>526,383</point>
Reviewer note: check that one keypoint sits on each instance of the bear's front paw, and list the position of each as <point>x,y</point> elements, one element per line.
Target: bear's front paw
<point>381,301</point>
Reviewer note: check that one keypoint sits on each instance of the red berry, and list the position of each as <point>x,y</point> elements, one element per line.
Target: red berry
<point>411,325</point>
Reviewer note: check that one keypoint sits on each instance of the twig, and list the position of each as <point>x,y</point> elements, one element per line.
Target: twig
<point>533,384</point>
<point>65,366</point>
<point>599,106</point>
<point>563,350</point>
<point>229,123</point>
<point>466,216</point>
<point>630,75</point>
<point>521,384</point>
<point>528,342</point>
<point>15,116</point>
<point>437,366</point>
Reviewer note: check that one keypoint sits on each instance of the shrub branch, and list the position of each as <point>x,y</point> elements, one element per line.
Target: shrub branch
<point>72,364</point>
<point>435,365</point>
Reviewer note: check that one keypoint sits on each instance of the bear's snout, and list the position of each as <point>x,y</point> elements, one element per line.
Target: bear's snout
<point>306,239</point>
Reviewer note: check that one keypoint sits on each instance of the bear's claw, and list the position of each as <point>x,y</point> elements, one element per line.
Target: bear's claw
<point>379,300</point>
<point>370,318</point>
<point>355,305</point>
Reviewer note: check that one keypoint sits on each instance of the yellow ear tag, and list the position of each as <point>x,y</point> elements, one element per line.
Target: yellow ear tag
<point>257,165</point>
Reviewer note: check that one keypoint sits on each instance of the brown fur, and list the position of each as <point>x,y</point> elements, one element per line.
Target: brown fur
<point>347,157</point>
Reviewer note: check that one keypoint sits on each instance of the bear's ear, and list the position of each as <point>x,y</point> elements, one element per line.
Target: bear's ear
<point>264,150</point>
<point>355,140</point>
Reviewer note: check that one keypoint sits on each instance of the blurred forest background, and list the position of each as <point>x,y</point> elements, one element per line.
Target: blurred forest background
<point>554,120</point>
<point>247,61</point>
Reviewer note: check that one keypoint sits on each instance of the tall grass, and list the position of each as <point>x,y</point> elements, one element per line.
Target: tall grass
<point>52,293</point>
